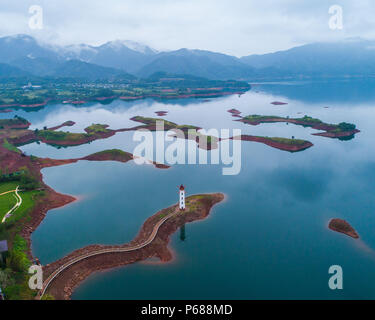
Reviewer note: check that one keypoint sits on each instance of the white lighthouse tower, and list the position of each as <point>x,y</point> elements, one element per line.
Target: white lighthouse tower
<point>182,197</point>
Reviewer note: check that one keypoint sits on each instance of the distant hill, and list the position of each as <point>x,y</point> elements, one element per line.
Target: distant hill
<point>45,67</point>
<point>79,69</point>
<point>352,57</point>
<point>199,63</point>
<point>7,71</point>
<point>22,46</point>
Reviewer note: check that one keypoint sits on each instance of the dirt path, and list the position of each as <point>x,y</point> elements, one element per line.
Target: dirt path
<point>16,206</point>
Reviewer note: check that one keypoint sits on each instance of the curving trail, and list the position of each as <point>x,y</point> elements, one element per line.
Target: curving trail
<point>103,251</point>
<point>4,193</point>
<point>16,206</point>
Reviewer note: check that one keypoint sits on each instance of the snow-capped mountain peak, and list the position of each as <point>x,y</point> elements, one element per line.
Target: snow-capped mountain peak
<point>132,45</point>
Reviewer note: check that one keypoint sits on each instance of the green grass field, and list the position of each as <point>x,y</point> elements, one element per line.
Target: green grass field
<point>9,200</point>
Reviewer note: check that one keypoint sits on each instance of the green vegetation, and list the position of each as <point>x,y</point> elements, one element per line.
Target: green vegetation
<point>71,91</point>
<point>10,147</point>
<point>168,125</point>
<point>152,121</point>
<point>16,121</point>
<point>51,135</point>
<point>17,263</point>
<point>344,126</point>
<point>306,121</point>
<point>309,119</point>
<point>97,128</point>
<point>113,154</point>
<point>23,178</point>
<point>13,273</point>
<point>259,118</point>
<point>27,193</point>
<point>287,141</point>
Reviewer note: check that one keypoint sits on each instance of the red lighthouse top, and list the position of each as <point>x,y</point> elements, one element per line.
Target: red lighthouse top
<point>182,187</point>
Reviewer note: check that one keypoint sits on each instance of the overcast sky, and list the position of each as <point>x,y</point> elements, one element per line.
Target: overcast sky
<point>237,27</point>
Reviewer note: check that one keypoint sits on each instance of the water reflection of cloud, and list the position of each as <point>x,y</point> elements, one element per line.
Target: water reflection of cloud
<point>306,185</point>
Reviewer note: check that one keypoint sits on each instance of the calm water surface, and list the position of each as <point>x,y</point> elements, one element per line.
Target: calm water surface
<point>268,240</point>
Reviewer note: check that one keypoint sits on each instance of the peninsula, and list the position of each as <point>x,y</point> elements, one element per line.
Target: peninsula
<point>64,275</point>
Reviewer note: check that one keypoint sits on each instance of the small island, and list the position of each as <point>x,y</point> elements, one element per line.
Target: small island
<point>234,111</point>
<point>340,225</point>
<point>285,144</point>
<point>190,131</point>
<point>342,130</point>
<point>278,103</point>
<point>161,113</point>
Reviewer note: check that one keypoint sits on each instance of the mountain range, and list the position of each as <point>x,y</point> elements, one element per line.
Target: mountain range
<point>24,56</point>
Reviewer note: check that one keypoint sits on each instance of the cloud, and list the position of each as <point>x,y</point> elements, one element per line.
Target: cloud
<point>238,27</point>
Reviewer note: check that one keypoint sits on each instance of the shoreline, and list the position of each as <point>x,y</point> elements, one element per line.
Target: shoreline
<point>126,98</point>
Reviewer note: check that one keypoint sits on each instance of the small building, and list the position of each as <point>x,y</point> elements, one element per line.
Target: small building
<point>182,198</point>
<point>3,250</point>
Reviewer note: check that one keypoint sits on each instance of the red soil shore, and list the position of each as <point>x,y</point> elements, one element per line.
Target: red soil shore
<point>24,105</point>
<point>65,124</point>
<point>161,113</point>
<point>337,134</point>
<point>234,111</point>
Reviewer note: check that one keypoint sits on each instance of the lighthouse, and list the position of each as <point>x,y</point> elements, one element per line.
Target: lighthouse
<point>182,198</point>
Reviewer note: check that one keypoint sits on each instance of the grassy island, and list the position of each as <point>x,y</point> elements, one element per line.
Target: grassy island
<point>285,144</point>
<point>62,138</point>
<point>15,123</point>
<point>190,131</point>
<point>341,130</point>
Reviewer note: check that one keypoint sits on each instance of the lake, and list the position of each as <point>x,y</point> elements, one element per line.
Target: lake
<point>268,240</point>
